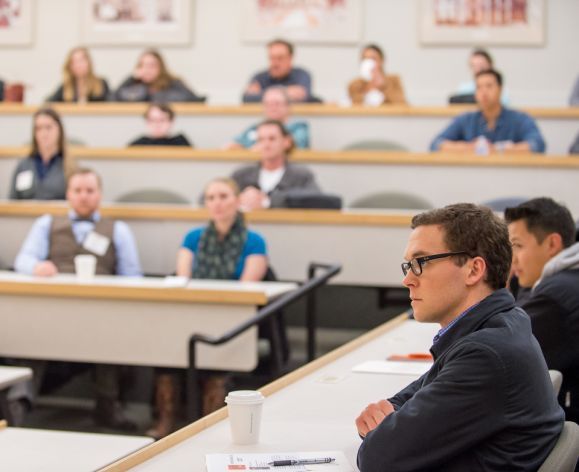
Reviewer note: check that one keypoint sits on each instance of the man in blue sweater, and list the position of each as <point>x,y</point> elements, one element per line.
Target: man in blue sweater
<point>487,403</point>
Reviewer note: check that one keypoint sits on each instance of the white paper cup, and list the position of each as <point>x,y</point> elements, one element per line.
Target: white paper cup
<point>244,407</point>
<point>85,266</point>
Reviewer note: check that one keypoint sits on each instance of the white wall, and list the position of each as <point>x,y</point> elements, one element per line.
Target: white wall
<point>218,64</point>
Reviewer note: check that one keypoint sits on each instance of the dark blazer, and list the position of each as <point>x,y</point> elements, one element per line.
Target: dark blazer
<point>295,177</point>
<point>553,306</point>
<point>487,403</point>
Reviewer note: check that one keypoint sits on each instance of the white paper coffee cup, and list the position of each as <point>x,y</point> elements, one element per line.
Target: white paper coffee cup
<point>244,407</point>
<point>85,266</point>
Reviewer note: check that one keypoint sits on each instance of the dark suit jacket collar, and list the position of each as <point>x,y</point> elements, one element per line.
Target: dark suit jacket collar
<point>496,302</point>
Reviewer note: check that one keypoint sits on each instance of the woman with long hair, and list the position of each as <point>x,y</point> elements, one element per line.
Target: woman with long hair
<point>41,175</point>
<point>151,81</point>
<point>79,82</point>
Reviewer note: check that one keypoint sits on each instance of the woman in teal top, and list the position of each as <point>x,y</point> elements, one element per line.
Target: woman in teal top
<point>224,249</point>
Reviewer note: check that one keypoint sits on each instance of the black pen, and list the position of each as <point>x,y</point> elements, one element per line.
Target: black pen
<point>325,460</point>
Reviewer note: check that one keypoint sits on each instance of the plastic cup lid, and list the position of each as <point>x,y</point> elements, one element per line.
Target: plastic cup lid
<point>244,397</point>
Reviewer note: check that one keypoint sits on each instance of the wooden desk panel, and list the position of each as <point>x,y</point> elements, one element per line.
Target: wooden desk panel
<point>129,320</point>
<point>439,178</point>
<point>332,127</point>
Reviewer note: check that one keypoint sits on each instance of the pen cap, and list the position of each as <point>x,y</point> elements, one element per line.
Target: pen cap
<point>244,397</point>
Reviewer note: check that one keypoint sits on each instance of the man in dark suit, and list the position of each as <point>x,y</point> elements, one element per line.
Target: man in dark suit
<point>266,185</point>
<point>546,263</point>
<point>487,402</point>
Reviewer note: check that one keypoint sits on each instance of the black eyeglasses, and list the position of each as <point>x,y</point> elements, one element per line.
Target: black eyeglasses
<point>415,265</point>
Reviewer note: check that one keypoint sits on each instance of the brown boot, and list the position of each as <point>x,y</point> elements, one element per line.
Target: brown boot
<point>166,397</point>
<point>214,392</point>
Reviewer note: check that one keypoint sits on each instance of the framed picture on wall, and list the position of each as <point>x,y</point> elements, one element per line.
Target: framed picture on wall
<point>16,22</point>
<point>137,22</point>
<point>482,22</point>
<point>302,21</point>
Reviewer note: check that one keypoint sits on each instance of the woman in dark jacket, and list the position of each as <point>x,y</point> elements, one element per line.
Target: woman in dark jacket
<point>79,83</point>
<point>41,176</point>
<point>152,82</point>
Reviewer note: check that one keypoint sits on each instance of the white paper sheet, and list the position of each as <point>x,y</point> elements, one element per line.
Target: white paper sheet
<point>393,367</point>
<point>247,462</point>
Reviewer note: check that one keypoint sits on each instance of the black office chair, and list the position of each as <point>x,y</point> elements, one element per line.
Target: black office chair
<point>502,203</point>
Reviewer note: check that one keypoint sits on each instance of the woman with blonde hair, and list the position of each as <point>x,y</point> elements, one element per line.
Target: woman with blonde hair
<point>42,175</point>
<point>152,82</point>
<point>79,82</point>
<point>224,249</point>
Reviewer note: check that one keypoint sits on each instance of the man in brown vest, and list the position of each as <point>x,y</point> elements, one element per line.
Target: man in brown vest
<point>50,248</point>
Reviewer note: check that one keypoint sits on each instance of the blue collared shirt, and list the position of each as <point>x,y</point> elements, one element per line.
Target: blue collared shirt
<point>442,331</point>
<point>511,125</point>
<point>37,244</point>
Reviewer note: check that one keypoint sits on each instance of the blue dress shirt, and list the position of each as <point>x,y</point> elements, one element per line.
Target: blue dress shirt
<point>37,244</point>
<point>511,125</point>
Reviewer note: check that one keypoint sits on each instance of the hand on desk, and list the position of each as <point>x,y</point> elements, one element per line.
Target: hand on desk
<point>372,416</point>
<point>45,269</point>
<point>252,199</point>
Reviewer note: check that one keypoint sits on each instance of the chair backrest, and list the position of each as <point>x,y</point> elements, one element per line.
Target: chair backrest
<point>556,380</point>
<point>152,195</point>
<point>374,145</point>
<point>392,200</point>
<point>502,203</point>
<point>565,454</point>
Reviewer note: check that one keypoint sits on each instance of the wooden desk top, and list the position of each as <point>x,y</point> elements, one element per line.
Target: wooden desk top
<point>183,212</point>
<point>154,153</point>
<point>112,108</point>
<point>143,289</point>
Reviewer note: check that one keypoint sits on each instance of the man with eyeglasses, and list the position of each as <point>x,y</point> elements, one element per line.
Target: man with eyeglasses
<point>487,403</point>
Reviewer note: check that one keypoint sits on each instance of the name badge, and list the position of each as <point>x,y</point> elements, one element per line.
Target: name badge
<point>24,180</point>
<point>96,243</point>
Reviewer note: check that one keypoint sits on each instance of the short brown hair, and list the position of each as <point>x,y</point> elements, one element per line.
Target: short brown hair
<point>83,171</point>
<point>283,42</point>
<point>164,107</point>
<point>477,231</point>
<point>544,216</point>
<point>283,130</point>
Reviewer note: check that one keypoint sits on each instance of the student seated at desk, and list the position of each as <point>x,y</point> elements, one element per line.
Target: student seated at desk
<point>374,87</point>
<point>276,106</point>
<point>50,248</point>
<point>79,83</point>
<point>159,119</point>
<point>266,184</point>
<point>225,249</point>
<point>41,176</point>
<point>493,127</point>
<point>546,263</point>
<point>487,402</point>
<point>152,82</point>
<point>280,72</point>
